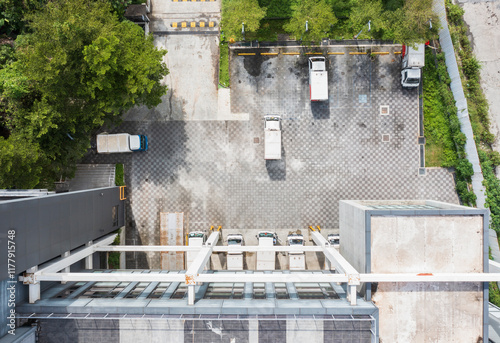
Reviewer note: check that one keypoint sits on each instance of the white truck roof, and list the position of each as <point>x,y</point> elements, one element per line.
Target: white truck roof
<point>415,57</point>
<point>318,79</point>
<point>107,143</point>
<point>272,138</point>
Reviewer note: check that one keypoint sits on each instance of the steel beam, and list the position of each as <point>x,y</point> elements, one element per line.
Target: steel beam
<point>431,277</point>
<point>293,277</point>
<point>111,277</point>
<point>228,249</point>
<point>337,260</point>
<point>75,256</point>
<point>199,264</point>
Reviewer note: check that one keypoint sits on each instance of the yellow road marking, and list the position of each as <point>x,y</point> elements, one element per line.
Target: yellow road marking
<point>397,52</point>
<point>380,53</point>
<point>291,53</point>
<point>314,53</point>
<point>268,53</point>
<point>357,53</point>
<point>247,54</point>
<point>336,53</point>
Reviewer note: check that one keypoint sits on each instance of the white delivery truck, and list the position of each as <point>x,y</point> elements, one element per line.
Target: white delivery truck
<point>235,259</point>
<point>413,60</point>
<point>120,142</point>
<point>318,79</point>
<point>272,138</point>
<point>297,259</point>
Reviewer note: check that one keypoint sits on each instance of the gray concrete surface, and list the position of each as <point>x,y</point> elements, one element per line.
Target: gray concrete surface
<point>214,171</point>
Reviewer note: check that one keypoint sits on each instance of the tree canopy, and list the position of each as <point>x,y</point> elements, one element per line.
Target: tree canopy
<point>319,17</point>
<point>236,12</point>
<point>77,68</point>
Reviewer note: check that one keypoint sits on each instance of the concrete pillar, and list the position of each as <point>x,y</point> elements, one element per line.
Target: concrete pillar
<point>34,288</point>
<point>351,294</point>
<point>88,259</point>
<point>191,294</point>
<point>253,330</point>
<point>67,269</point>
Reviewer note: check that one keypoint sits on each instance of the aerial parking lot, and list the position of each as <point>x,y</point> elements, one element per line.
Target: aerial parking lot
<point>360,144</point>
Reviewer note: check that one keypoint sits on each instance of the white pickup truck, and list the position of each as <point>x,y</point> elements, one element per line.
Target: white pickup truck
<point>413,60</point>
<point>318,79</point>
<point>272,138</point>
<point>121,142</point>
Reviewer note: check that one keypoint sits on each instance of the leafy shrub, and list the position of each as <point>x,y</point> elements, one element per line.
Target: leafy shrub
<point>464,169</point>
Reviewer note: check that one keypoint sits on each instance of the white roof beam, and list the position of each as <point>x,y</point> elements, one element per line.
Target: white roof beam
<point>110,277</point>
<point>202,258</point>
<point>338,261</point>
<point>230,249</point>
<point>75,256</point>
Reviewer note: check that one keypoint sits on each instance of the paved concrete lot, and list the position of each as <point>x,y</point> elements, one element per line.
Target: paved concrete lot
<point>215,172</point>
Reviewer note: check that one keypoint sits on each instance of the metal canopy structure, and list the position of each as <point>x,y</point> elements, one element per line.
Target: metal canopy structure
<point>344,271</point>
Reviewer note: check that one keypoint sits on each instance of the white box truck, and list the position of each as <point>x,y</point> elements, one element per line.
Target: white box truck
<point>235,259</point>
<point>318,79</point>
<point>272,138</point>
<point>120,142</point>
<point>413,60</point>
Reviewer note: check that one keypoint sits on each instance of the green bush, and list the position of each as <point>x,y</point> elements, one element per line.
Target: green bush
<point>454,12</point>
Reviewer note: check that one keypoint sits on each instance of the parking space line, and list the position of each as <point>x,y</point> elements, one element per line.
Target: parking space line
<point>380,53</point>
<point>268,53</point>
<point>247,54</point>
<point>291,53</point>
<point>336,53</point>
<point>357,53</point>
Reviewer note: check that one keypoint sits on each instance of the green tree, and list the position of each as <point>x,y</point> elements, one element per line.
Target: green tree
<point>78,68</point>
<point>319,17</point>
<point>20,163</point>
<point>236,12</point>
<point>365,11</point>
<point>412,23</point>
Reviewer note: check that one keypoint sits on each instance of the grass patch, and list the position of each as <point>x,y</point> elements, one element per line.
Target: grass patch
<point>223,63</point>
<point>439,146</point>
<point>114,256</point>
<point>494,294</point>
<point>119,175</point>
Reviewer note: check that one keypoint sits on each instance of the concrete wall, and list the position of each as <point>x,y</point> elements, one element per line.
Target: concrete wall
<point>216,330</point>
<point>353,233</point>
<point>437,312</point>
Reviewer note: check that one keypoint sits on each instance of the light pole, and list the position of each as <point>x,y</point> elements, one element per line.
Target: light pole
<point>369,29</point>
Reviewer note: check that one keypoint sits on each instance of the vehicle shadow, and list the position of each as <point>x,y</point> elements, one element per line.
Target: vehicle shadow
<point>320,109</point>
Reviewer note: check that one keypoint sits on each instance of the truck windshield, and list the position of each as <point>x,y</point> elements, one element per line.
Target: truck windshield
<point>234,241</point>
<point>295,242</point>
<point>265,234</point>
<point>200,235</point>
<point>413,80</point>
